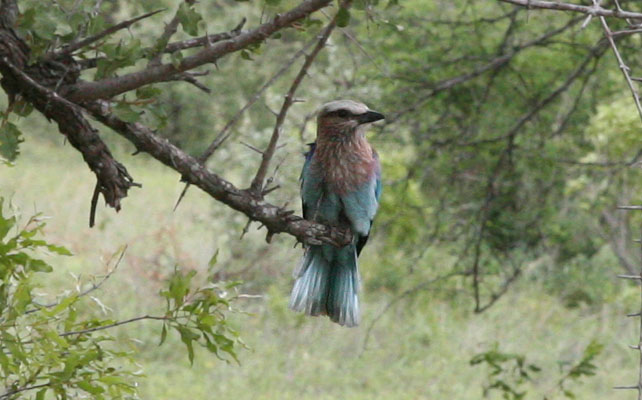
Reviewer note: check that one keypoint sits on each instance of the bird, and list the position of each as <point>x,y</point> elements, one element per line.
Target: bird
<point>340,186</point>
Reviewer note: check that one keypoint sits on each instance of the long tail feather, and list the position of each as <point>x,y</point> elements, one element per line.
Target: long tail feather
<point>327,283</point>
<point>343,299</point>
<point>310,290</point>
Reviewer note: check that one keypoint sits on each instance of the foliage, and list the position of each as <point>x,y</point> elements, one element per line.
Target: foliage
<point>63,349</point>
<point>466,183</point>
<point>198,315</point>
<point>510,372</point>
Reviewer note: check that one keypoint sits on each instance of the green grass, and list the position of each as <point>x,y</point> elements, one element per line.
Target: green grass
<point>420,349</point>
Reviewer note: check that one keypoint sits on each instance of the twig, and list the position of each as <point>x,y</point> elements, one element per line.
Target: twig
<point>94,38</point>
<point>23,389</point>
<point>638,314</point>
<point>590,10</point>
<point>170,29</point>
<point>94,286</point>
<point>115,324</point>
<point>225,133</point>
<point>254,148</point>
<point>257,183</point>
<point>205,40</point>
<point>83,91</point>
<point>623,67</point>
<point>495,63</point>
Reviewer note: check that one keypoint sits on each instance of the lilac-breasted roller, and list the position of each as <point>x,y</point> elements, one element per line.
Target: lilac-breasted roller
<point>340,186</point>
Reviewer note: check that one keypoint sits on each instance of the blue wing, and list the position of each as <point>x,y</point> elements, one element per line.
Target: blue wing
<point>318,204</point>
<point>309,197</point>
<point>360,206</point>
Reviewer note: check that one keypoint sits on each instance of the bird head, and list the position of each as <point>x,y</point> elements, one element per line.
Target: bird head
<point>342,119</point>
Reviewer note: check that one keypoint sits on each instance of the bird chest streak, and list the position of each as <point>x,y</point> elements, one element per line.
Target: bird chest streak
<point>344,165</point>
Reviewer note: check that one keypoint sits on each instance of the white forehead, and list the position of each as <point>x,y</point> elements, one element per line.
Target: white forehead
<point>352,106</point>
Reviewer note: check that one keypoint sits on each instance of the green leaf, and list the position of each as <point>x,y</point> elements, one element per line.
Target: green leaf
<point>63,251</point>
<point>176,59</point>
<point>212,262</point>
<point>246,55</point>
<point>187,337</point>
<point>89,388</point>
<point>6,223</point>
<point>10,139</point>
<point>41,394</point>
<point>147,92</point>
<point>343,17</point>
<point>163,334</point>
<point>189,18</point>
<point>125,112</point>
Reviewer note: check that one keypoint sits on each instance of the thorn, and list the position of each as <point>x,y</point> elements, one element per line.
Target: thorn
<point>181,196</point>
<point>626,388</point>
<point>246,228</point>
<point>94,202</point>
<point>238,27</point>
<point>252,147</point>
<point>268,237</point>
<point>634,347</point>
<point>267,191</point>
<point>634,277</point>
<point>634,314</point>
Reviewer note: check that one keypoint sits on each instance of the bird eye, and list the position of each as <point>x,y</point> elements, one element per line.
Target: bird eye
<point>343,113</point>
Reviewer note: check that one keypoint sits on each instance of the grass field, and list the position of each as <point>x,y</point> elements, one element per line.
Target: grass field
<point>419,349</point>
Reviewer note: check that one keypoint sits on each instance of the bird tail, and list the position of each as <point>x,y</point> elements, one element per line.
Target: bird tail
<point>327,283</point>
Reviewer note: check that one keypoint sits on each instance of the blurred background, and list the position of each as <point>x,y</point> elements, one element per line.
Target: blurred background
<point>511,137</point>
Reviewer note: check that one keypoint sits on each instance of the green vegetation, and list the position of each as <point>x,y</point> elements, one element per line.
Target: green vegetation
<point>420,348</point>
<point>491,273</point>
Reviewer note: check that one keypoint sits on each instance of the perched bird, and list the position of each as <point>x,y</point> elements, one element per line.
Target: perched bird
<point>340,186</point>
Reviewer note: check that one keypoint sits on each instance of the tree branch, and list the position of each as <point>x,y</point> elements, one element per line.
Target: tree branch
<point>594,10</point>
<point>493,64</point>
<point>107,88</point>
<point>225,133</point>
<point>205,40</point>
<point>113,178</point>
<point>155,57</point>
<point>94,38</point>
<point>275,219</point>
<point>623,67</point>
<point>23,389</point>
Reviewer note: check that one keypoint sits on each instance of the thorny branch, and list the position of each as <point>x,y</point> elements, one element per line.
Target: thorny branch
<point>275,219</point>
<point>497,62</point>
<point>504,157</point>
<point>110,87</point>
<point>594,10</point>
<point>623,67</point>
<point>94,38</point>
<point>226,132</point>
<point>257,183</point>
<point>113,179</point>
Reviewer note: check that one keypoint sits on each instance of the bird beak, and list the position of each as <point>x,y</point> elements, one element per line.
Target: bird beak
<point>370,116</point>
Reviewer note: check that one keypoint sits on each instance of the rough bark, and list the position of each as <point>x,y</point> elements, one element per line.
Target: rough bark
<point>275,219</point>
<point>34,82</point>
<point>52,86</point>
